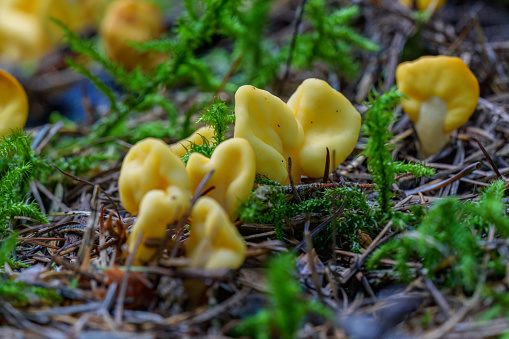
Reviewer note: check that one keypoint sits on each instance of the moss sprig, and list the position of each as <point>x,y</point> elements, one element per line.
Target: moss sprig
<point>381,166</point>
<point>446,242</point>
<point>287,305</point>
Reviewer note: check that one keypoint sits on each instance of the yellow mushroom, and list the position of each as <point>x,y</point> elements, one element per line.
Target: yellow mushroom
<point>234,166</point>
<point>158,209</point>
<point>424,5</point>
<point>180,147</point>
<point>328,120</point>
<point>149,165</point>
<point>441,93</point>
<point>26,32</point>
<point>214,242</point>
<point>13,104</point>
<point>270,127</point>
<point>131,20</point>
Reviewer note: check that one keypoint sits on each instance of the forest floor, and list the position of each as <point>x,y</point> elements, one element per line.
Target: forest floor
<point>92,280</point>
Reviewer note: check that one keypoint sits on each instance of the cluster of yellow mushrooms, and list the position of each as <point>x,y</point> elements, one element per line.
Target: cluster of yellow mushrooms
<point>441,95</point>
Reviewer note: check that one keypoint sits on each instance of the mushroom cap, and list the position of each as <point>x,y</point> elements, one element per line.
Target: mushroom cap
<point>423,5</point>
<point>180,147</point>
<point>158,209</point>
<point>13,104</point>
<point>130,20</point>
<point>270,127</point>
<point>214,242</point>
<point>328,120</point>
<point>26,32</point>
<point>444,77</point>
<point>149,165</point>
<point>234,165</point>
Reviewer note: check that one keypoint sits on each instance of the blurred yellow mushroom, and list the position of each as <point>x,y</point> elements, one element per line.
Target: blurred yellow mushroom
<point>13,104</point>
<point>149,165</point>
<point>424,5</point>
<point>180,147</point>
<point>234,166</point>
<point>26,32</point>
<point>93,10</point>
<point>214,242</point>
<point>328,120</point>
<point>441,93</point>
<point>158,209</point>
<point>270,127</point>
<point>131,20</point>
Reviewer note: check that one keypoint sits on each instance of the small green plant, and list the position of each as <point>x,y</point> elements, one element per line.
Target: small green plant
<point>274,205</point>
<point>381,166</point>
<point>331,39</point>
<point>19,294</point>
<point>446,241</point>
<point>18,165</point>
<point>287,306</point>
<point>217,116</point>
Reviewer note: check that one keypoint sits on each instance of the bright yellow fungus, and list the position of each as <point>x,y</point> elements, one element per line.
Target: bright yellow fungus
<point>316,117</point>
<point>442,95</point>
<point>131,20</point>
<point>424,5</point>
<point>234,166</point>
<point>13,104</point>
<point>180,147</point>
<point>270,127</point>
<point>149,165</point>
<point>328,120</point>
<point>214,242</point>
<point>158,209</point>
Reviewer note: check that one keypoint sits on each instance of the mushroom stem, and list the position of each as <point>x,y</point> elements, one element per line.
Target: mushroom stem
<point>430,125</point>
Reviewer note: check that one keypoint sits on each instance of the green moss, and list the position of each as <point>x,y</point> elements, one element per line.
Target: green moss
<point>20,294</point>
<point>446,242</point>
<point>287,307</point>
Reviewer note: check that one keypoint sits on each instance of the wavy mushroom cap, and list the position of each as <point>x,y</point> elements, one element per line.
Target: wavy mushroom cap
<point>130,20</point>
<point>158,209</point>
<point>214,242</point>
<point>269,125</point>
<point>328,120</point>
<point>234,166</point>
<point>149,165</point>
<point>13,104</point>
<point>441,95</point>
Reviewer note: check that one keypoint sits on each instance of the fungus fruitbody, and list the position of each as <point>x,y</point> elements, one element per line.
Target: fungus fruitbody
<point>26,32</point>
<point>316,117</point>
<point>131,20</point>
<point>423,5</point>
<point>270,127</point>
<point>234,166</point>
<point>157,210</point>
<point>13,104</point>
<point>328,120</point>
<point>149,165</point>
<point>441,93</point>
<point>180,147</point>
<point>214,242</point>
